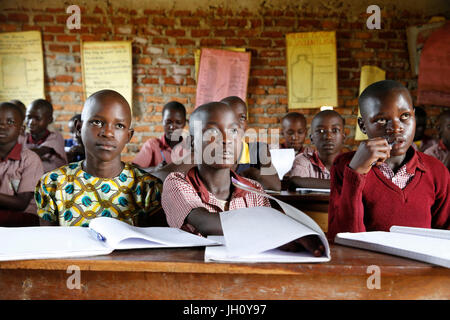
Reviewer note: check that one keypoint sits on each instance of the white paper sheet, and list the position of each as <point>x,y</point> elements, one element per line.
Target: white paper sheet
<point>49,242</point>
<point>120,235</point>
<point>253,230</point>
<point>282,160</point>
<point>219,254</point>
<point>427,249</point>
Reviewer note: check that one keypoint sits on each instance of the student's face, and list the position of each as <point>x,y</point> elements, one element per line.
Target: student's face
<point>173,120</point>
<point>391,117</point>
<point>294,133</point>
<point>105,129</point>
<point>38,119</point>
<point>327,134</point>
<point>10,125</point>
<point>72,129</point>
<point>240,112</point>
<point>222,142</point>
<point>444,131</point>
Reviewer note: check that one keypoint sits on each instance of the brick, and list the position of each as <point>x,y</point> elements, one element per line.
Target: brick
<point>148,80</point>
<point>190,22</point>
<point>237,23</point>
<point>175,33</point>
<point>64,78</point>
<point>224,33</point>
<point>167,89</point>
<point>17,17</point>
<point>160,41</point>
<point>59,48</point>
<point>145,60</point>
<point>66,38</point>
<point>375,45</point>
<point>54,29</point>
<point>185,42</point>
<point>176,80</point>
<point>363,55</point>
<point>264,43</point>
<point>235,42</point>
<point>167,22</point>
<point>200,33</point>
<point>210,42</point>
<point>185,89</point>
<point>177,51</point>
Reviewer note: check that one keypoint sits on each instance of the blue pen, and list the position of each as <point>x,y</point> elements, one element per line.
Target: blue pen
<point>164,158</point>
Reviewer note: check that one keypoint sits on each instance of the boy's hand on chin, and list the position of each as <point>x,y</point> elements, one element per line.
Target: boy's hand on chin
<point>311,243</point>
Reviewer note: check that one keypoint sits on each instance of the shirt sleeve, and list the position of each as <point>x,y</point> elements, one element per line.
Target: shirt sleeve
<point>301,166</point>
<point>440,211</point>
<point>179,198</point>
<point>32,172</point>
<point>346,209</point>
<point>44,197</point>
<point>144,158</point>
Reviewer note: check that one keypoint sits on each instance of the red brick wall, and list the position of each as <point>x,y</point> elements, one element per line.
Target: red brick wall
<point>163,56</point>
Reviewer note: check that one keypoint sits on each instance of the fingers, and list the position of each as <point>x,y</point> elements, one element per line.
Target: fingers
<point>311,243</point>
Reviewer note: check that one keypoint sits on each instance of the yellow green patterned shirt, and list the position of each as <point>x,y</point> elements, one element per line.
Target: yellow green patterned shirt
<point>73,197</point>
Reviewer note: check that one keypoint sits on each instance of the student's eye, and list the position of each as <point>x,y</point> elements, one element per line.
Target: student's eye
<point>405,116</point>
<point>10,122</point>
<point>336,130</point>
<point>381,121</point>
<point>120,126</point>
<point>320,131</point>
<point>96,123</point>
<point>234,131</point>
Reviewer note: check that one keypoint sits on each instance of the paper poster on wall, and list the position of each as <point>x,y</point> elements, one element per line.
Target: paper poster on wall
<point>21,66</point>
<point>222,73</point>
<point>311,69</point>
<point>107,65</point>
<point>197,53</point>
<point>417,36</point>
<point>433,81</point>
<point>369,75</point>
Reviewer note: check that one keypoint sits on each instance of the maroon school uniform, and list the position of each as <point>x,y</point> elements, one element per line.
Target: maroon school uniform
<point>373,202</point>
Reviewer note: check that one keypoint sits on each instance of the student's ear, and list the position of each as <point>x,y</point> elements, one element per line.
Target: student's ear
<point>361,125</point>
<point>78,124</point>
<point>130,134</point>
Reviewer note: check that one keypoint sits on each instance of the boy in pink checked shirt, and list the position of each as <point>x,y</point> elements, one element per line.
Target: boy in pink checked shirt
<point>191,201</point>
<point>49,145</point>
<point>157,153</point>
<point>20,170</point>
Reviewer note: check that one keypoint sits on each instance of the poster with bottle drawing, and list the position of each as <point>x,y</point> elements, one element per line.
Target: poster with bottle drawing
<point>21,66</point>
<point>311,69</point>
<point>222,73</point>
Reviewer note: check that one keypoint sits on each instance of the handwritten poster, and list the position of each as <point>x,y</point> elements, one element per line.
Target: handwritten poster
<point>222,73</point>
<point>311,69</point>
<point>433,82</point>
<point>21,66</point>
<point>369,75</point>
<point>107,65</point>
<point>198,52</point>
<point>417,36</point>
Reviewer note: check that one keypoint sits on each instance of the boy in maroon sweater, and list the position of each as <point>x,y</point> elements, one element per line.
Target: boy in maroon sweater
<point>387,182</point>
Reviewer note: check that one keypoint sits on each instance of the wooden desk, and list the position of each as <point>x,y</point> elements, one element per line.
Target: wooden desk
<point>182,274</point>
<point>313,204</point>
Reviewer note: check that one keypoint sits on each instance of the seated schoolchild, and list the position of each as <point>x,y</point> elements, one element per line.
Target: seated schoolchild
<point>49,145</point>
<point>386,181</point>
<point>421,140</point>
<point>20,170</point>
<point>254,160</point>
<point>192,200</point>
<point>293,130</point>
<point>441,150</point>
<point>311,168</point>
<point>73,146</point>
<point>101,185</point>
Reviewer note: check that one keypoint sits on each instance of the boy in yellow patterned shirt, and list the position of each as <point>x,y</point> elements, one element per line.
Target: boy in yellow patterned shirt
<point>100,185</point>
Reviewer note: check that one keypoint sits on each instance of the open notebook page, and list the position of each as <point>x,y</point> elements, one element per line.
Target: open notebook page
<point>120,235</point>
<point>49,242</point>
<point>219,254</point>
<point>432,250</point>
<point>292,212</point>
<point>249,231</point>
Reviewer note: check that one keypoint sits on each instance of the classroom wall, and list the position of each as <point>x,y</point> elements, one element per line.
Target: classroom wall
<point>166,33</point>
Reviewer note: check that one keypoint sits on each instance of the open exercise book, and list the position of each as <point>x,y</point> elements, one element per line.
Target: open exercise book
<point>253,234</point>
<point>103,236</point>
<point>427,245</point>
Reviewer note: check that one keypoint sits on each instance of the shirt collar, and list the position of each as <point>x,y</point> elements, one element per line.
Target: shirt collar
<point>193,178</point>
<point>315,160</point>
<point>15,153</point>
<point>414,163</point>
<point>30,139</point>
<point>442,145</point>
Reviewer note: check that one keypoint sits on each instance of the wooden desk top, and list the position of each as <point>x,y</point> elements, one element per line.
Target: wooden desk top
<point>191,260</point>
<point>182,274</point>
